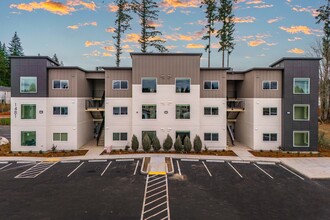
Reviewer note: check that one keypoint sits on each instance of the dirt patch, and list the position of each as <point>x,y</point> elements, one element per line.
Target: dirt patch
<point>321,153</point>
<point>146,162</point>
<point>325,128</point>
<point>177,176</point>
<point>209,152</point>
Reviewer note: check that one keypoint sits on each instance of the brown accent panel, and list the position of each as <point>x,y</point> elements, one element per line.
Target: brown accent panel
<point>119,74</point>
<point>95,75</point>
<point>216,75</point>
<point>236,76</point>
<point>245,89</point>
<point>63,74</point>
<point>166,68</point>
<point>85,87</point>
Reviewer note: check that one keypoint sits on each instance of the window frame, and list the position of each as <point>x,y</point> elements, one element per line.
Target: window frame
<point>211,111</point>
<point>120,110</point>
<point>182,78</point>
<point>211,84</point>
<point>269,111</point>
<point>270,84</point>
<point>113,82</point>
<point>119,136</point>
<point>309,86</point>
<point>211,136</point>
<point>148,78</point>
<point>270,137</point>
<point>301,105</point>
<point>61,107</point>
<point>61,138</point>
<point>308,145</point>
<point>35,113</point>
<point>176,106</point>
<point>148,118</point>
<point>20,84</point>
<point>60,80</point>
<point>35,140</point>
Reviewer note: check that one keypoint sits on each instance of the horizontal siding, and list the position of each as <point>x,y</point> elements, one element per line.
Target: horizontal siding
<point>217,75</point>
<point>111,75</point>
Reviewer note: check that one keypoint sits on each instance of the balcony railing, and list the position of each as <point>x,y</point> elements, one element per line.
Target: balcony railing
<point>235,105</point>
<point>94,104</point>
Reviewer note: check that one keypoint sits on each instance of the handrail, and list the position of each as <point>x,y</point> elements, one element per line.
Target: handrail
<point>100,132</point>
<point>231,135</point>
<point>238,104</point>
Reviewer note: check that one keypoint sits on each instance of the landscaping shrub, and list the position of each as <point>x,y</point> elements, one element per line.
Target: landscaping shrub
<point>156,144</point>
<point>135,143</point>
<point>54,148</point>
<point>323,142</point>
<point>167,145</point>
<point>40,152</point>
<point>197,144</point>
<point>127,147</point>
<point>178,144</point>
<point>146,143</point>
<point>187,144</point>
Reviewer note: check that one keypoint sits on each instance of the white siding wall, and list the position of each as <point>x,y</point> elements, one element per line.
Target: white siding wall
<point>85,125</point>
<point>245,124</point>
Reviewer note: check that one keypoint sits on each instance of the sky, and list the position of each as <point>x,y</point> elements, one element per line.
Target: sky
<point>80,31</point>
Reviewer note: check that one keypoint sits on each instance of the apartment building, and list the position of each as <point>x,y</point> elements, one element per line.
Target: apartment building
<point>67,107</point>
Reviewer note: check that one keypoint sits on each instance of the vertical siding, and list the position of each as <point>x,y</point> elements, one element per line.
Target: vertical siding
<point>63,74</point>
<point>85,87</point>
<point>245,89</point>
<point>118,74</point>
<point>218,75</point>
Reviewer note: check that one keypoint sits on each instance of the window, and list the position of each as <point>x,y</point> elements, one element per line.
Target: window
<point>301,138</point>
<point>182,134</point>
<point>182,111</point>
<point>149,111</point>
<point>120,111</point>
<point>28,111</point>
<point>210,85</point>
<point>269,137</point>
<point>119,84</point>
<point>269,85</point>
<point>301,85</point>
<point>151,134</point>
<point>211,111</point>
<point>28,84</point>
<point>149,85</point>
<point>60,136</point>
<point>57,110</point>
<point>182,85</point>
<point>269,111</point>
<point>211,137</point>
<point>61,84</point>
<point>301,112</point>
<point>119,136</point>
<point>28,138</point>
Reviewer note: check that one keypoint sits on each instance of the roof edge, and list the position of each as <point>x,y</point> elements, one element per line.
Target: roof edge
<point>294,58</point>
<point>166,54</point>
<point>35,57</point>
<point>116,68</point>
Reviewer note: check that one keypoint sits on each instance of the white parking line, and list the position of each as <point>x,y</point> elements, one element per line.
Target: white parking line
<point>177,163</point>
<point>266,163</point>
<point>191,160</point>
<point>36,170</point>
<point>263,171</point>
<point>206,168</point>
<point>157,183</point>
<point>5,166</point>
<point>215,161</point>
<point>106,168</point>
<point>155,179</point>
<point>121,160</point>
<point>240,161</point>
<point>70,161</point>
<point>97,161</point>
<point>3,162</point>
<point>137,164</point>
<point>148,197</point>
<point>235,170</point>
<point>23,162</point>
<point>76,169</point>
<point>291,172</point>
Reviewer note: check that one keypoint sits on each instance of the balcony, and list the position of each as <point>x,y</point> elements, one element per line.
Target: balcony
<point>234,107</point>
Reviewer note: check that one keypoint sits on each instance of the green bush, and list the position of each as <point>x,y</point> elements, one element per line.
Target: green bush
<point>40,152</point>
<point>168,143</point>
<point>178,144</point>
<point>135,143</point>
<point>127,147</point>
<point>156,144</point>
<point>323,142</point>
<point>146,143</point>
<point>187,144</point>
<point>54,148</point>
<point>5,121</point>
<point>197,144</point>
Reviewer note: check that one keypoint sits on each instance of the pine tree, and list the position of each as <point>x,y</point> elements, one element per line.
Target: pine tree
<point>210,12</point>
<point>15,47</point>
<point>150,37</point>
<point>122,24</point>
<point>55,58</point>
<point>4,66</point>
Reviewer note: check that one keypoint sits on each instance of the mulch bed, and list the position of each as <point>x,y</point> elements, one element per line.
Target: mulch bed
<point>209,152</point>
<point>321,153</point>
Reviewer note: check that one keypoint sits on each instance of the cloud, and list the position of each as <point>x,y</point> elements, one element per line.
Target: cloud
<point>308,9</point>
<point>296,51</point>
<point>294,39</point>
<point>297,29</point>
<point>256,43</point>
<point>77,26</point>
<point>105,54</point>
<point>273,20</point>
<point>112,7</point>
<point>154,24</point>
<point>132,38</point>
<point>195,46</point>
<point>170,47</point>
<point>48,5</point>
<point>248,19</point>
<point>186,12</point>
<point>254,2</point>
<point>92,43</point>
<point>263,6</point>
<point>96,53</point>
<point>169,6</point>
<point>176,37</point>
<point>90,5</point>
<point>271,44</point>
<point>109,48</point>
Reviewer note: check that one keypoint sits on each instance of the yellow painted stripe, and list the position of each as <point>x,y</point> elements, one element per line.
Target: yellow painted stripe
<point>52,159</point>
<point>157,173</point>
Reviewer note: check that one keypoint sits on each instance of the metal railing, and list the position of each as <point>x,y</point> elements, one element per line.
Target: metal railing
<point>235,104</point>
<point>94,104</point>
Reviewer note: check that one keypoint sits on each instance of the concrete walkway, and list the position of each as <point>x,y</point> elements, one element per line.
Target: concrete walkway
<point>157,164</point>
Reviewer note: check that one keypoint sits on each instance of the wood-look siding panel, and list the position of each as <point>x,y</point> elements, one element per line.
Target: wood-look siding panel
<point>111,75</point>
<point>96,75</point>
<point>85,87</point>
<point>267,75</point>
<point>217,75</point>
<point>236,76</point>
<point>166,68</point>
<point>245,89</point>
<point>63,74</point>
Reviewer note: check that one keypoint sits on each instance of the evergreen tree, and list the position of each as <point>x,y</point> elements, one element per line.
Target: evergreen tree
<point>210,12</point>
<point>55,58</point>
<point>148,13</point>
<point>15,47</point>
<point>4,66</point>
<point>122,24</point>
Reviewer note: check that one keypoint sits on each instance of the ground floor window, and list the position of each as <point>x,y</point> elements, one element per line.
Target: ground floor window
<point>119,110</point>
<point>182,134</point>
<point>269,137</point>
<point>301,138</point>
<point>28,111</point>
<point>60,110</point>
<point>211,111</point>
<point>28,138</point>
<point>211,136</point>
<point>301,112</point>
<point>151,134</point>
<point>60,136</point>
<point>119,136</point>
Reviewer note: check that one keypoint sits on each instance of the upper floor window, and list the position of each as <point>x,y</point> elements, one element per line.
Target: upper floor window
<point>59,110</point>
<point>269,85</point>
<point>211,137</point>
<point>301,112</point>
<point>119,84</point>
<point>269,137</point>
<point>301,138</point>
<point>28,84</point>
<point>182,85</point>
<point>211,84</point>
<point>28,138</point>
<point>61,84</point>
<point>60,136</point>
<point>119,110</point>
<point>301,86</point>
<point>211,111</point>
<point>149,111</point>
<point>182,111</point>
<point>119,136</point>
<point>269,111</point>
<point>149,85</point>
<point>28,111</point>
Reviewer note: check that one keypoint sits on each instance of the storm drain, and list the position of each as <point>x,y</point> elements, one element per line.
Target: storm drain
<point>36,170</point>
<point>155,203</point>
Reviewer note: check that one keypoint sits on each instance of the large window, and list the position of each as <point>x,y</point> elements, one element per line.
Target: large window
<point>151,134</point>
<point>182,134</point>
<point>149,85</point>
<point>301,138</point>
<point>28,84</point>
<point>28,111</point>
<point>269,85</point>
<point>59,110</point>
<point>61,84</point>
<point>182,111</point>
<point>210,85</point>
<point>60,136</point>
<point>301,86</point>
<point>211,111</point>
<point>119,136</point>
<point>149,111</point>
<point>269,137</point>
<point>28,138</point>
<point>211,137</point>
<point>182,85</point>
<point>120,111</point>
<point>120,84</point>
<point>301,112</point>
<point>269,111</point>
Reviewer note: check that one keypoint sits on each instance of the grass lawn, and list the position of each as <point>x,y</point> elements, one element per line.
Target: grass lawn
<point>4,121</point>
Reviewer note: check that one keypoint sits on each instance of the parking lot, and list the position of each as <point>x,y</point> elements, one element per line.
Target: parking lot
<point>199,189</point>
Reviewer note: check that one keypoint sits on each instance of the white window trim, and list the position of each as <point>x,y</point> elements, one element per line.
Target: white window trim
<point>28,118</point>
<point>60,83</point>
<point>149,78</point>
<point>270,81</point>
<point>301,105</point>
<point>189,112</point>
<point>149,118</point>
<point>270,139</point>
<point>309,86</point>
<point>211,84</point>
<point>60,110</point>
<point>269,108</point>
<point>120,84</point>
<point>211,107</point>
<point>120,107</point>
<point>120,136</point>
<point>211,133</point>
<point>67,134</point>
<point>189,85</point>
<point>20,83</point>
<point>301,132</point>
